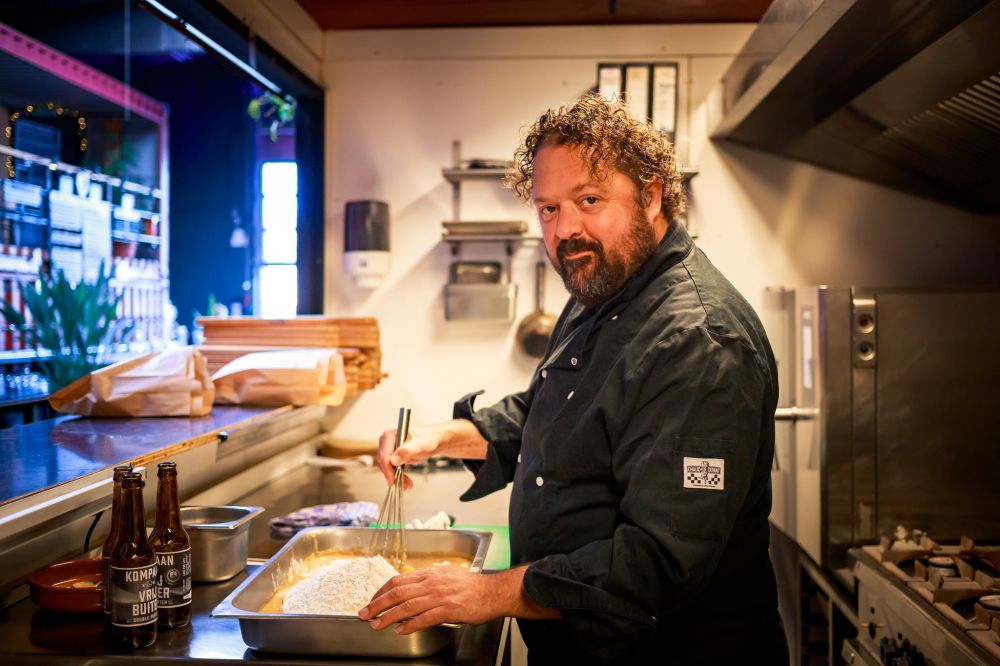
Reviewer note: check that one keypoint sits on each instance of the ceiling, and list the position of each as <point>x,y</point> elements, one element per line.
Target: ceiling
<point>381,14</point>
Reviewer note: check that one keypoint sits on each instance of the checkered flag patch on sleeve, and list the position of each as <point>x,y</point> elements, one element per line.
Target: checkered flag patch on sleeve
<point>706,473</point>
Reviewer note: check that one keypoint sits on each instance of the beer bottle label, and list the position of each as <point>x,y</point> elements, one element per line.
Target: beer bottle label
<point>132,595</point>
<point>174,583</point>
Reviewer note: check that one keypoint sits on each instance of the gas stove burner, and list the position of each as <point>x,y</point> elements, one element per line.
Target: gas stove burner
<point>943,566</point>
<point>952,591</point>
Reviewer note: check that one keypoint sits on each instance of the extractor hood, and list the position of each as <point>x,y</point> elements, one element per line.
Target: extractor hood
<point>905,93</point>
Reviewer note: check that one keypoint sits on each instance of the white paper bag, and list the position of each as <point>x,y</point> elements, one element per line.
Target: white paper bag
<point>173,382</point>
<point>284,377</point>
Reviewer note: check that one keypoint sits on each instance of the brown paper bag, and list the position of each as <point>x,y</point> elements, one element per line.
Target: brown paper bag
<point>283,377</point>
<point>174,382</point>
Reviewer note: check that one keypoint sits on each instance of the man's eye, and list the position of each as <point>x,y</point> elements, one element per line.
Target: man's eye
<point>546,210</point>
<point>590,201</point>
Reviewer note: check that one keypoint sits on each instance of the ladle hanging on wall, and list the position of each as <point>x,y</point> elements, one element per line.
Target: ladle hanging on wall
<point>534,331</point>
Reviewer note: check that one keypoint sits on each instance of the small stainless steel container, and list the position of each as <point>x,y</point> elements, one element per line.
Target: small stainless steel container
<point>338,634</point>
<point>219,538</point>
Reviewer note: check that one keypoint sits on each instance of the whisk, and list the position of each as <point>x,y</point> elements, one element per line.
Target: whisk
<point>388,539</point>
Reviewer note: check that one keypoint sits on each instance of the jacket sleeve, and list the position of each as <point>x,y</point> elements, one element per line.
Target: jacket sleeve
<point>684,445</point>
<point>501,426</point>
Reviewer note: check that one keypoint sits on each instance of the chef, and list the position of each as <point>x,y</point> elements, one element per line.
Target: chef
<point>640,453</point>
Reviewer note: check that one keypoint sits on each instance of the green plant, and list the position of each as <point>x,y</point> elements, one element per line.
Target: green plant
<point>210,312</point>
<point>281,111</point>
<point>76,324</point>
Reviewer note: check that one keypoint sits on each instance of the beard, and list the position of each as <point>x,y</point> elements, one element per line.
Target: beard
<point>594,278</point>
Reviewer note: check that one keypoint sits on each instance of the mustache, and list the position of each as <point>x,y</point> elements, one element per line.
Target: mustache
<point>576,245</point>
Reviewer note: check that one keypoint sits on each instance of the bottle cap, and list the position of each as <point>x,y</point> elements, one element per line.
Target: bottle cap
<point>133,479</point>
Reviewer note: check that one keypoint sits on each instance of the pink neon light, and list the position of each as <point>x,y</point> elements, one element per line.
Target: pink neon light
<point>83,76</point>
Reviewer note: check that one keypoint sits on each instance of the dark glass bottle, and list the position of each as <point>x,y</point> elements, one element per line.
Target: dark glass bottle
<point>132,574</point>
<point>120,471</point>
<point>173,552</point>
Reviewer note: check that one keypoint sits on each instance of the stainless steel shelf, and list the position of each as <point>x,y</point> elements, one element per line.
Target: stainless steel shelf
<point>455,176</point>
<point>489,238</point>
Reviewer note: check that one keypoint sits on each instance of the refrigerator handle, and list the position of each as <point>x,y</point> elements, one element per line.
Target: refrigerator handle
<point>795,413</point>
<point>791,414</point>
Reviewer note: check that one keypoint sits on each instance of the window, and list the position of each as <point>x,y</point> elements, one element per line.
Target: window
<point>278,277</point>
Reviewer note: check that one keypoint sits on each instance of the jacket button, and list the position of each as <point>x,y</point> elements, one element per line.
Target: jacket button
<point>570,395</point>
<point>614,317</point>
<point>545,373</point>
<point>518,457</point>
<point>539,481</point>
<point>573,361</point>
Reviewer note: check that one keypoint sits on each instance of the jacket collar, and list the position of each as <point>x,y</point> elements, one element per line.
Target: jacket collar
<point>673,248</point>
<point>580,321</point>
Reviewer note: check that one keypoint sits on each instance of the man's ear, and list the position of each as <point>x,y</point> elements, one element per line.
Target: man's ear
<point>652,198</point>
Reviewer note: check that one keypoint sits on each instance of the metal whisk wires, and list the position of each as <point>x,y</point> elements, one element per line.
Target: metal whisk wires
<point>388,540</point>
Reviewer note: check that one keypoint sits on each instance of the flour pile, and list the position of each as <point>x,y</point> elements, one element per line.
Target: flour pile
<point>340,588</point>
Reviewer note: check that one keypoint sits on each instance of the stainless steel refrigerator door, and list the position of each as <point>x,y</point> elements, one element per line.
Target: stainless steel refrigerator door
<point>938,413</point>
<point>895,413</point>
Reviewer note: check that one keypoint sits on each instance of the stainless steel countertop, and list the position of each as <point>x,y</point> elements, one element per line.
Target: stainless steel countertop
<point>30,635</point>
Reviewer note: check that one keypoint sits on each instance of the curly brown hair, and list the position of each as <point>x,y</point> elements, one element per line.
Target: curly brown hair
<point>611,138</point>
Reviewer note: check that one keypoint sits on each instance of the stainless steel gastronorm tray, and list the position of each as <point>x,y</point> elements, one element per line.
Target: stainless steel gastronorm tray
<point>338,634</point>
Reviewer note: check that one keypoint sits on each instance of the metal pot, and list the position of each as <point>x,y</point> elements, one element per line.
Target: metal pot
<point>534,331</point>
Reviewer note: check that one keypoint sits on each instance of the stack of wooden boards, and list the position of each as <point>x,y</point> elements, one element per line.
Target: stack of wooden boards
<point>357,339</point>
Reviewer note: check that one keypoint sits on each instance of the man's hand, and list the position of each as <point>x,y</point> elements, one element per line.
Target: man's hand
<point>429,598</point>
<point>457,438</point>
<point>421,443</point>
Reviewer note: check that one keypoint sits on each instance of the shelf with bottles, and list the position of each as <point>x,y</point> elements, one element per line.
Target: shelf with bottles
<point>131,237</point>
<point>135,225</point>
<point>56,167</point>
<point>139,285</point>
<point>77,215</point>
<point>114,353</point>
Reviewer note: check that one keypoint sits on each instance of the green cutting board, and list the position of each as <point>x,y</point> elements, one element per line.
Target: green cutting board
<point>498,556</point>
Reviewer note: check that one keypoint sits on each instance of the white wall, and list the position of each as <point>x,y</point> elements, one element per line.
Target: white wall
<point>396,101</point>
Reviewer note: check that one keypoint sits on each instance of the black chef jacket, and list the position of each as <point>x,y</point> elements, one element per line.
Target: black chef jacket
<point>640,456</point>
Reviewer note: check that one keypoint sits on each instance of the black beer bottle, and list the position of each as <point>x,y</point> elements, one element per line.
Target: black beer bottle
<point>173,552</point>
<point>132,574</point>
<point>113,533</point>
